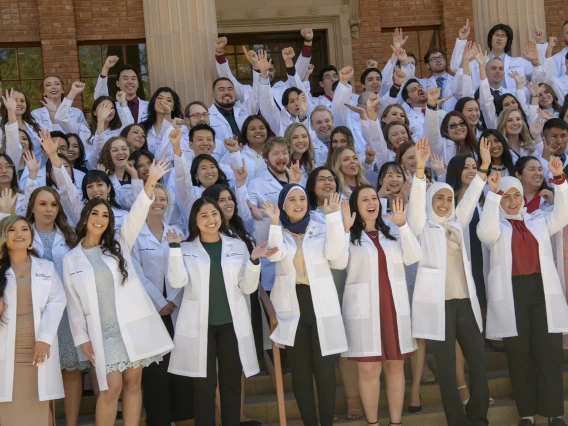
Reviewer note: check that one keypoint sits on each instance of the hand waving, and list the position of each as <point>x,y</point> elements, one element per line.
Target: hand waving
<point>332,204</point>
<point>173,237</point>
<point>398,216</point>
<point>262,251</point>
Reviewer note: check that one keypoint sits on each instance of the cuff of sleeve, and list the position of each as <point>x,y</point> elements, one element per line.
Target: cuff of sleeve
<point>255,261</point>
<point>333,217</point>
<point>175,245</point>
<point>493,196</point>
<point>102,76</point>
<point>291,71</point>
<point>306,51</point>
<point>264,81</point>
<point>45,338</point>
<point>558,180</point>
<point>80,339</point>
<point>220,59</point>
<point>393,93</point>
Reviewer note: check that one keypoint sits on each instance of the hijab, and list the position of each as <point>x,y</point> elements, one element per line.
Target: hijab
<point>298,227</point>
<point>507,183</point>
<point>432,191</point>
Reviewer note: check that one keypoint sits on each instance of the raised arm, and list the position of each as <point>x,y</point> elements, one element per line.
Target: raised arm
<point>459,47</point>
<point>336,245</point>
<point>488,228</point>
<point>557,219</point>
<point>417,201</point>
<point>178,276</point>
<point>101,89</point>
<point>13,146</point>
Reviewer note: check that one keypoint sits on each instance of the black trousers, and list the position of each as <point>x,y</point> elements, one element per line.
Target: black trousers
<point>535,356</point>
<point>222,350</point>
<point>306,361</point>
<point>462,326</point>
<point>165,395</point>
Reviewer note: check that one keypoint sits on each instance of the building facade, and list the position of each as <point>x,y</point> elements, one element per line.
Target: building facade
<point>172,41</point>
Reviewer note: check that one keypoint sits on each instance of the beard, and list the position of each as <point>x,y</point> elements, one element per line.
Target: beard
<point>226,105</point>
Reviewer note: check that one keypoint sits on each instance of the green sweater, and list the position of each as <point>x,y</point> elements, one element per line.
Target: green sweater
<point>219,311</point>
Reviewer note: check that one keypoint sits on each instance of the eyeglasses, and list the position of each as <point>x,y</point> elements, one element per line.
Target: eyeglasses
<point>328,179</point>
<point>333,77</point>
<point>436,59</point>
<point>454,126</point>
<point>199,116</point>
<point>500,36</point>
<point>6,167</point>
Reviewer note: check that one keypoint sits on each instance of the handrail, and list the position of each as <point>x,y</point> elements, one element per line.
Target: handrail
<point>275,370</point>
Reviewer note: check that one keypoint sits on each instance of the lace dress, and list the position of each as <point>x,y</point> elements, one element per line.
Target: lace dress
<point>68,357</point>
<point>116,357</point>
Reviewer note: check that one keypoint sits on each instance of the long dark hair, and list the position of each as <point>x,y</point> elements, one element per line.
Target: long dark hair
<point>498,102</point>
<point>359,225</point>
<point>243,136</point>
<point>49,167</point>
<point>125,131</point>
<point>507,29</point>
<point>153,116</point>
<point>61,218</point>
<point>386,128</point>
<point>5,262</point>
<point>236,223</point>
<point>469,145</point>
<point>99,176</point>
<point>311,185</point>
<point>460,105</point>
<point>80,162</point>
<point>192,225</point>
<point>115,123</point>
<point>389,165</point>
<point>507,157</point>
<point>27,116</point>
<point>454,174</point>
<point>522,163</point>
<point>109,243</point>
<point>221,178</point>
<point>14,182</point>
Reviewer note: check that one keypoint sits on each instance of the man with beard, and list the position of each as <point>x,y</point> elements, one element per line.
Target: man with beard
<point>243,91</point>
<point>127,81</point>
<point>266,187</point>
<point>416,97</point>
<point>499,41</point>
<point>435,61</point>
<point>226,118</point>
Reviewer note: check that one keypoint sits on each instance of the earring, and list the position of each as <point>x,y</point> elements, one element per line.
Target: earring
<point>108,196</point>
<point>31,247</point>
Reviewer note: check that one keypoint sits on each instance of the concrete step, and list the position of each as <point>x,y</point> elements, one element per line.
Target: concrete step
<point>503,413</point>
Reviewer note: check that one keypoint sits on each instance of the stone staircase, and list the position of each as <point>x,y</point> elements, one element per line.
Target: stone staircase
<point>260,402</point>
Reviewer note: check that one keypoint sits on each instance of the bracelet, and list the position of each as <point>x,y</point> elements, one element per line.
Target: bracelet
<point>419,168</point>
<point>308,41</point>
<point>484,171</point>
<point>174,245</point>
<point>558,180</point>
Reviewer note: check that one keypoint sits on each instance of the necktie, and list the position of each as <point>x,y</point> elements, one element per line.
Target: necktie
<point>497,91</point>
<point>423,110</point>
<point>562,157</point>
<point>440,84</point>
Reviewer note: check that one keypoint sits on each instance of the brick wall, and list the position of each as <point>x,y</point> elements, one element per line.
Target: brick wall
<point>556,12</point>
<point>18,21</point>
<point>109,19</point>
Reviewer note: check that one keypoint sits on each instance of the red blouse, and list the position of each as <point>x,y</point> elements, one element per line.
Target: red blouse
<point>524,248</point>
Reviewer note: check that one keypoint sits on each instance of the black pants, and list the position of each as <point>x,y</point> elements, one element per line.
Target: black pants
<point>222,348</point>
<point>535,356</point>
<point>462,326</point>
<point>165,395</point>
<point>306,361</point>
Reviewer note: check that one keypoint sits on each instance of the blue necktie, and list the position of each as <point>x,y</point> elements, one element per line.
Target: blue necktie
<point>440,84</point>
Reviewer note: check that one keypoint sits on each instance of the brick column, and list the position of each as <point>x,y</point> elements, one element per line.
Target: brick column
<point>518,14</point>
<point>59,41</point>
<point>455,14</point>
<point>180,40</point>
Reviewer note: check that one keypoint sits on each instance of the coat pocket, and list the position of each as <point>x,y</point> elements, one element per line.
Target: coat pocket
<point>188,319</point>
<point>429,282</point>
<point>495,284</point>
<point>356,303</point>
<point>280,295</point>
<point>241,319</point>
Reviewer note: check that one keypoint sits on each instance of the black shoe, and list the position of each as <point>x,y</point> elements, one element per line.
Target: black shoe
<point>415,408</point>
<point>556,422</point>
<point>526,422</point>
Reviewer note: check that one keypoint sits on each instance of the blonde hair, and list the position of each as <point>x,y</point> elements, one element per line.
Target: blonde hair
<point>525,138</point>
<point>308,156</point>
<point>320,108</point>
<point>168,199</point>
<point>335,165</point>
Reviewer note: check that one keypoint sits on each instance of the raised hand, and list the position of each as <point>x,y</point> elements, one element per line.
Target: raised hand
<point>398,77</point>
<point>308,34</point>
<point>262,251</point>
<point>157,170</point>
<point>303,104</point>
<point>374,104</point>
<point>493,180</point>
<point>484,153</point>
<point>76,88</point>
<point>87,349</point>
<point>464,31</point>
<point>400,54</point>
<point>241,174</point>
<point>41,353</point>
<point>356,108</point>
<point>49,104</point>
<point>9,100</point>
<point>397,39</point>
<point>271,211</point>
<point>175,137</point>
<point>294,173</point>
<point>468,52</point>
<point>422,153</point>
<point>263,63</point>
<point>437,164</point>
<point>332,205</point>
<point>434,96</point>
<point>31,163</point>
<point>220,44</point>
<point>120,97</point>
<point>479,55</point>
<point>440,102</point>
<point>172,237</point>
<point>109,63</point>
<point>102,168</point>
<point>345,74</point>
<point>8,200</point>
<point>536,130</point>
<point>252,57</point>
<point>538,33</point>
<point>347,217</point>
<point>555,166</point>
<point>548,196</point>
<point>104,111</point>
<point>547,115</point>
<point>232,144</point>
<point>288,55</point>
<point>398,208</point>
<point>372,64</point>
<point>309,72</point>
<point>48,144</point>
<point>164,107</point>
<point>551,43</point>
<point>255,212</point>
<point>519,79</point>
<point>533,88</point>
<point>369,155</point>
<point>531,52</point>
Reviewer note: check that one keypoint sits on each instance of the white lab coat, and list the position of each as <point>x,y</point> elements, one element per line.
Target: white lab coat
<point>141,327</point>
<point>189,267</point>
<point>41,115</point>
<point>150,258</point>
<point>325,247</point>
<point>496,234</point>
<point>428,303</point>
<point>101,89</point>
<point>450,87</point>
<point>48,301</point>
<point>361,308</point>
<point>254,162</point>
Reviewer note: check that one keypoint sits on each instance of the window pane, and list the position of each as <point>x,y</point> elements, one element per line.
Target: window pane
<point>90,60</point>
<point>8,63</point>
<point>232,60</point>
<point>134,56</point>
<point>88,92</point>
<point>30,62</point>
<point>146,86</point>
<point>32,91</point>
<point>143,59</point>
<point>231,49</point>
<point>9,85</point>
<point>114,50</point>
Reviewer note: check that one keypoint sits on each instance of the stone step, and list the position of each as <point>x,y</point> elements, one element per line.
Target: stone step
<point>503,413</point>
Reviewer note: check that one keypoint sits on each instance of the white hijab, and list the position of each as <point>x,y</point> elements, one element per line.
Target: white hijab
<point>507,183</point>
<point>432,191</point>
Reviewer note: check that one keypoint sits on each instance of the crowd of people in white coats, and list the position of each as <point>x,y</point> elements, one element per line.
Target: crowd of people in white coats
<point>133,245</point>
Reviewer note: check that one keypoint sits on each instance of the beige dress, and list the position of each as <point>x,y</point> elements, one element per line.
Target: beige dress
<point>25,408</point>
